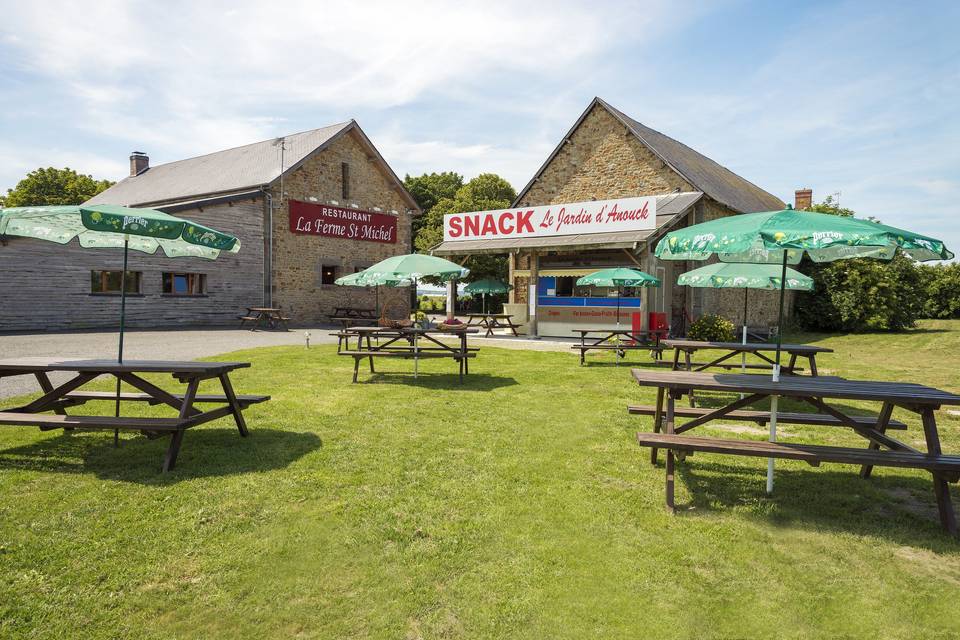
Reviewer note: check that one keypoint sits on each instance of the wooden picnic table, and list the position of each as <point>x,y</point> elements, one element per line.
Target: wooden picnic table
<point>619,340</point>
<point>882,450</point>
<point>491,321</point>
<point>263,317</point>
<point>189,373</point>
<point>354,312</point>
<point>389,345</point>
<point>689,347</point>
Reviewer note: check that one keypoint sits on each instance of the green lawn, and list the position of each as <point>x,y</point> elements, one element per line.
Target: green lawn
<point>516,505</point>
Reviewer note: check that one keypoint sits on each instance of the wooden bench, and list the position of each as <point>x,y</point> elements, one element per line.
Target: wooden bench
<point>47,422</point>
<point>809,453</point>
<point>347,321</point>
<point>247,319</point>
<point>81,397</point>
<point>730,365</point>
<point>406,353</point>
<point>656,350</point>
<point>763,417</point>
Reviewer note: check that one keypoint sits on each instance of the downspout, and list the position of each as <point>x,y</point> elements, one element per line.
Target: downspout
<point>268,254</point>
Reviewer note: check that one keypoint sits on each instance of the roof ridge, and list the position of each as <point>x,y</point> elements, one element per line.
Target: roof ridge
<point>249,144</point>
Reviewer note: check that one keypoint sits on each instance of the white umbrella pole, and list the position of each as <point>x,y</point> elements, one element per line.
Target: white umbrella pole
<point>773,438</point>
<point>416,353</point>
<point>743,356</point>
<point>123,313</point>
<point>776,371</point>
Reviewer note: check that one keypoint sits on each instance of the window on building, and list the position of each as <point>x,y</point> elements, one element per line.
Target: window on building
<point>565,286</point>
<point>108,282</point>
<point>328,274</point>
<point>184,284</point>
<point>345,180</point>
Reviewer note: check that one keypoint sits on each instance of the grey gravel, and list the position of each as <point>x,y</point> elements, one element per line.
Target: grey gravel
<point>182,344</point>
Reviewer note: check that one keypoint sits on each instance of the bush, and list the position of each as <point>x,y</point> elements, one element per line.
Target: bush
<point>711,328</point>
<point>941,287</point>
<point>862,294</point>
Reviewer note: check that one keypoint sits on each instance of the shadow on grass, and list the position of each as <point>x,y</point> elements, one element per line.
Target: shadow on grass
<point>204,453</point>
<point>898,508</point>
<point>448,381</point>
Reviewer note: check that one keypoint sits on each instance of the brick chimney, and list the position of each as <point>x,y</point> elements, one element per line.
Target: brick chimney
<point>139,162</point>
<point>803,199</point>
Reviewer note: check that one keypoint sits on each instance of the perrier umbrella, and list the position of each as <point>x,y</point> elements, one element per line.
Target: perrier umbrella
<point>415,266</point>
<point>485,286</point>
<point>784,237</point>
<point>737,275</point>
<point>113,227</point>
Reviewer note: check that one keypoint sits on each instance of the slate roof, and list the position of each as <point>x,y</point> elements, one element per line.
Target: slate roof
<point>704,174</point>
<point>670,208</point>
<point>233,170</point>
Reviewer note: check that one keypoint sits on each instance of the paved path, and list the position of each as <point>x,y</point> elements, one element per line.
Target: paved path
<point>184,344</point>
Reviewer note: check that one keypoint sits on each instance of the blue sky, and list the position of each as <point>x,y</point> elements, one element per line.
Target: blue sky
<point>859,98</point>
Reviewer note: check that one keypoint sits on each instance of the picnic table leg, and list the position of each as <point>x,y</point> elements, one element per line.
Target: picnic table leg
<point>882,421</point>
<point>234,405</point>
<point>356,367</point>
<point>670,456</point>
<point>177,439</point>
<point>463,350</point>
<point>370,348</point>
<point>689,364</point>
<point>940,488</point>
<point>583,350</point>
<point>44,381</point>
<point>657,419</point>
<point>792,364</point>
<point>813,364</point>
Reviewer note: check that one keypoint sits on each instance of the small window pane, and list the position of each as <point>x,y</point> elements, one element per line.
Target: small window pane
<point>328,274</point>
<point>109,281</point>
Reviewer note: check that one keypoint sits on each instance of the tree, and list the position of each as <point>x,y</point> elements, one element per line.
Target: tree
<point>428,189</point>
<point>52,186</point>
<point>861,294</point>
<point>486,191</point>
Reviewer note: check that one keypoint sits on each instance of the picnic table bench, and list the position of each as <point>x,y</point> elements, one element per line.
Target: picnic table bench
<point>882,449</point>
<point>391,346</point>
<point>491,321</point>
<point>262,317</point>
<point>58,399</point>
<point>622,341</point>
<point>349,316</point>
<point>689,347</point>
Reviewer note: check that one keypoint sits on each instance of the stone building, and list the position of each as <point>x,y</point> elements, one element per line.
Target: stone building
<point>351,208</point>
<point>608,155</point>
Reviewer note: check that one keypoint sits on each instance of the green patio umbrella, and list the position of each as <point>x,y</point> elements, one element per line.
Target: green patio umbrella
<point>738,275</point>
<point>485,286</point>
<point>415,266</point>
<point>619,277</point>
<point>363,279</point>
<point>112,226</point>
<point>783,237</point>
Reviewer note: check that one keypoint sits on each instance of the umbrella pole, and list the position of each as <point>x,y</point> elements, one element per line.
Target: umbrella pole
<point>416,353</point>
<point>618,327</point>
<point>776,370</point>
<point>743,356</point>
<point>123,311</point>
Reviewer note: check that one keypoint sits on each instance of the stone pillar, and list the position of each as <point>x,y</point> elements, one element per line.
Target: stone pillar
<point>532,294</point>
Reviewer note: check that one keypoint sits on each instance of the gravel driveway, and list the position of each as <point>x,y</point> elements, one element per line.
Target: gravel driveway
<point>183,344</point>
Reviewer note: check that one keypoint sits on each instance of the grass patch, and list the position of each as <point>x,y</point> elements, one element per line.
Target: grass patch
<point>515,505</point>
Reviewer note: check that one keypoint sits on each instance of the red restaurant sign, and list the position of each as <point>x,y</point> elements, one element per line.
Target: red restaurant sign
<point>624,214</point>
<point>336,222</point>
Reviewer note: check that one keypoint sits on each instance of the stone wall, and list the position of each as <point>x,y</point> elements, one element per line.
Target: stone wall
<point>602,159</point>
<point>298,258</point>
<point>47,286</point>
